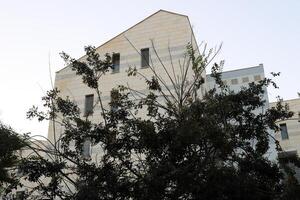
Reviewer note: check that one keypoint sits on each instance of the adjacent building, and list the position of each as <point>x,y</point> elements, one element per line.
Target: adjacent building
<point>236,79</point>
<point>239,78</point>
<point>289,132</point>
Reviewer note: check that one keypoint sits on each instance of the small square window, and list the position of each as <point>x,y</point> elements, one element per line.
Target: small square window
<point>245,79</point>
<point>145,57</point>
<point>284,132</point>
<point>257,78</point>
<point>89,105</point>
<point>234,81</point>
<point>116,62</point>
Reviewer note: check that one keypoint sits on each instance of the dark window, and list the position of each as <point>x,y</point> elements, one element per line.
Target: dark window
<point>245,79</point>
<point>114,96</point>
<point>234,81</point>
<point>116,62</point>
<point>20,195</point>
<point>19,172</point>
<point>284,132</point>
<point>257,78</point>
<point>145,57</point>
<point>89,105</point>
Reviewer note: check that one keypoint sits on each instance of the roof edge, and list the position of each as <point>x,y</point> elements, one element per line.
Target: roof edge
<point>287,100</point>
<point>257,66</point>
<point>161,10</point>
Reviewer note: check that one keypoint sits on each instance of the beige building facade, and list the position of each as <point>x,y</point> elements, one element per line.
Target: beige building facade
<point>161,37</point>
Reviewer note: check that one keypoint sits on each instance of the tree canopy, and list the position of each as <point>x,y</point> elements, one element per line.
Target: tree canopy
<point>10,143</point>
<point>166,143</point>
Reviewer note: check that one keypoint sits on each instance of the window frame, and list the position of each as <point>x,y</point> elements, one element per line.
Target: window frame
<point>87,149</point>
<point>284,137</point>
<point>88,112</point>
<point>257,77</point>
<point>234,81</point>
<point>145,60</point>
<point>112,60</point>
<point>245,79</point>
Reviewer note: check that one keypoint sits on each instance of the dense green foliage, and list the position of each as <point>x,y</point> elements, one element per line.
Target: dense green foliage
<point>10,143</point>
<point>186,146</point>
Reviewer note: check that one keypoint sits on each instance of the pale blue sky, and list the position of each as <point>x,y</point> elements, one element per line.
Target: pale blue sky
<point>252,32</point>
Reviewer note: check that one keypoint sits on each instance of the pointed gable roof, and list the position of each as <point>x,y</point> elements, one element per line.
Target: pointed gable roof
<point>159,11</point>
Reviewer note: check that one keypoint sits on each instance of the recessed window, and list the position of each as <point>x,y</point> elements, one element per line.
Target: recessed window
<point>114,96</point>
<point>89,104</point>
<point>145,57</point>
<point>234,81</point>
<point>257,77</point>
<point>87,149</point>
<point>245,79</point>
<point>284,132</point>
<point>116,62</point>
<point>20,195</point>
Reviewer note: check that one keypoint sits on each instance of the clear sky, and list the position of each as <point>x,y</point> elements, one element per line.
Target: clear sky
<point>252,32</point>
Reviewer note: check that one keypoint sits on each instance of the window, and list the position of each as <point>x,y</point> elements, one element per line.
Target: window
<point>245,79</point>
<point>87,149</point>
<point>114,96</point>
<point>144,57</point>
<point>116,62</point>
<point>19,172</point>
<point>257,78</point>
<point>234,81</point>
<point>20,195</point>
<point>89,105</point>
<point>284,132</point>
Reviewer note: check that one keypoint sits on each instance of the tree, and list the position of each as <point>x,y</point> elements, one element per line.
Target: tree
<point>10,144</point>
<point>186,146</point>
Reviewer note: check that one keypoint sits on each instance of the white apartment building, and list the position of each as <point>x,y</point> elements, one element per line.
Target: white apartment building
<point>236,79</point>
